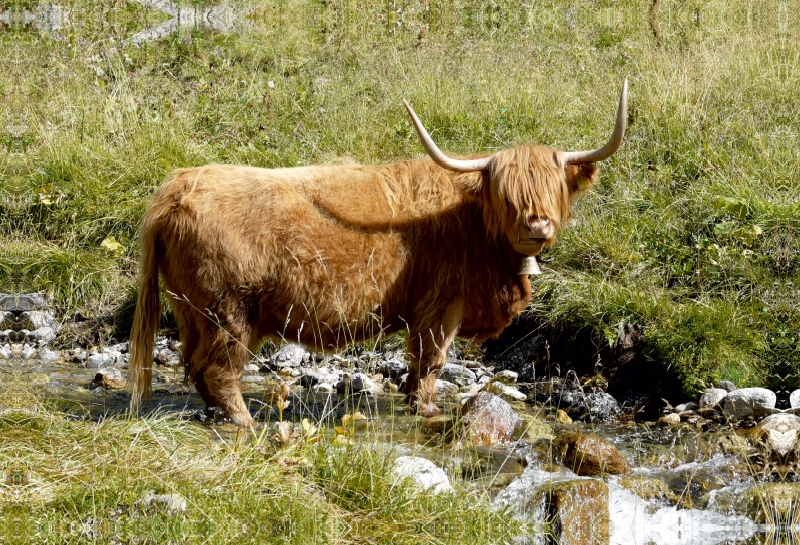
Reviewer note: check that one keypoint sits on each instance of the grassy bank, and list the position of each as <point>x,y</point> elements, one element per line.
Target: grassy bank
<point>689,234</point>
<point>160,480</point>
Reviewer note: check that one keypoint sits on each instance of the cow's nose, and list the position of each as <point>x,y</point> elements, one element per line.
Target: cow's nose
<point>540,228</point>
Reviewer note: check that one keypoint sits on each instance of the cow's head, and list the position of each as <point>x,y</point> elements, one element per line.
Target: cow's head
<point>531,189</point>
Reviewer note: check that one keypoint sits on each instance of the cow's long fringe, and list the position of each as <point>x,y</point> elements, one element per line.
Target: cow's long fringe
<point>145,322</point>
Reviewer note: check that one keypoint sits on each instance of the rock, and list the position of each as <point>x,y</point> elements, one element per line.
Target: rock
<point>362,384</point>
<point>507,376</point>
<point>250,369</point>
<point>253,379</point>
<point>688,406</point>
<point>591,407</point>
<point>111,378</point>
<point>425,474</point>
<point>27,352</point>
<point>794,399</point>
<point>310,379</point>
<point>45,354</point>
<point>36,319</point>
<point>5,352</point>
<point>589,455</point>
<point>285,372</point>
<point>168,357</point>
<point>488,420</point>
<point>41,335</point>
<point>505,391</point>
<point>670,419</point>
<point>779,432</point>
<point>96,360</point>
<point>393,367</point>
<point>562,417</point>
<point>457,374</point>
<point>740,404</point>
<point>576,509</point>
<point>323,388</point>
<point>170,502</point>
<point>441,423</point>
<point>726,385</point>
<point>291,355</point>
<point>444,388</point>
<point>711,397</point>
<point>580,510</point>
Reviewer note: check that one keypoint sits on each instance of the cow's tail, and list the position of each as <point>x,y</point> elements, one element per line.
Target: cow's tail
<point>145,321</point>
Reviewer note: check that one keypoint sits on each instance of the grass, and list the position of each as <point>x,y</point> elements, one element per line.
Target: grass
<point>689,234</point>
<point>78,482</point>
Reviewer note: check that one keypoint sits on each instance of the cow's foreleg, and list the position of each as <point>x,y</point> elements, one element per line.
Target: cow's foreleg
<point>428,347</point>
<point>219,363</point>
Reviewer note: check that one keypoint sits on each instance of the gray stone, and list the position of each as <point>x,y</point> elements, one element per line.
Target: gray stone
<point>794,399</point>
<point>96,360</point>
<point>591,407</point>
<point>253,379</point>
<point>507,376</point>
<point>746,402</point>
<point>457,374</point>
<point>726,385</point>
<point>711,397</point>
<point>424,473</point>
<point>168,357</point>
<point>110,377</point>
<point>291,355</point>
<point>5,352</point>
<point>445,388</point>
<point>324,388</point>
<point>688,406</point>
<point>393,367</point>
<point>362,384</point>
<point>27,352</point>
<point>41,335</point>
<point>45,354</point>
<point>505,391</point>
<point>250,369</point>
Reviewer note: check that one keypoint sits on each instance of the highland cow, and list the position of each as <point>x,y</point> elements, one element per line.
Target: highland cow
<point>331,255</point>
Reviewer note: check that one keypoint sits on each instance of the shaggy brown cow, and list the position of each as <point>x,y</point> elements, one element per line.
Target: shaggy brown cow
<point>329,255</point>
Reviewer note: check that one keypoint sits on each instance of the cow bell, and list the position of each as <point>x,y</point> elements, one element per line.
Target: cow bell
<point>528,265</point>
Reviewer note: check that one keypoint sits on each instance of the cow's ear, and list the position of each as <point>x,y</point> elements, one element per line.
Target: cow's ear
<point>580,177</point>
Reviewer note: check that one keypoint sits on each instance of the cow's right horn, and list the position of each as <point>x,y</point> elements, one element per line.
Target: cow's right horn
<point>456,165</point>
<point>616,137</point>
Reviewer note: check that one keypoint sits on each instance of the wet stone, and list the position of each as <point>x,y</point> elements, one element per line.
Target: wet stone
<point>589,455</point>
<point>579,509</point>
<point>670,419</point>
<point>111,378</point>
<point>591,407</point>
<point>97,360</point>
<point>562,417</point>
<point>488,420</point>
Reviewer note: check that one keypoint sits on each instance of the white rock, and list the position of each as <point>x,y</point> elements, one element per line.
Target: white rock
<point>27,352</point>
<point>361,383</point>
<point>505,391</point>
<point>251,369</point>
<point>444,388</point>
<point>5,351</point>
<point>794,399</point>
<point>710,397</point>
<point>425,474</point>
<point>172,502</point>
<point>96,361</point>
<point>507,376</point>
<point>740,404</point>
<point>323,388</point>
<point>45,354</point>
<point>291,355</point>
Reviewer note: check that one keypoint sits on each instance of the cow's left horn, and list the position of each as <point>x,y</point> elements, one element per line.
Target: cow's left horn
<point>456,165</point>
<point>616,137</point>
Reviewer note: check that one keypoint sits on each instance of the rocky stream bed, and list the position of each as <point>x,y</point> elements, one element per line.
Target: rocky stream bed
<point>561,453</point>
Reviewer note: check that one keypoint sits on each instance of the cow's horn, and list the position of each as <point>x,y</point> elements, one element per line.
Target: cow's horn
<point>456,165</point>
<point>616,137</point>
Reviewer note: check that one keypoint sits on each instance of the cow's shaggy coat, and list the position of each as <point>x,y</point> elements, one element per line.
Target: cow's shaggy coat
<point>329,255</point>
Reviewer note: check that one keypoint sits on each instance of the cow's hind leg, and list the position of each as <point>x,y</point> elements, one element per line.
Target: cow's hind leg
<point>428,349</point>
<point>217,368</point>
